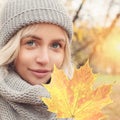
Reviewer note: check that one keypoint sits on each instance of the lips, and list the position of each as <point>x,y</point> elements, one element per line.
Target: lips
<point>40,73</point>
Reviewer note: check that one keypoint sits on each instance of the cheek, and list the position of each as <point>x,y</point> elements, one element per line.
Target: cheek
<point>23,58</point>
<point>58,60</point>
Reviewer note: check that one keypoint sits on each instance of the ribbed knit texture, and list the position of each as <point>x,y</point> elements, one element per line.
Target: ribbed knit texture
<point>21,101</point>
<point>20,13</point>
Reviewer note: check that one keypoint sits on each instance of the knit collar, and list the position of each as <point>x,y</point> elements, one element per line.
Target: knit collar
<point>14,88</point>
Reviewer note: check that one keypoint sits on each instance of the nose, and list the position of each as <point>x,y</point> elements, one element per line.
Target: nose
<point>43,56</point>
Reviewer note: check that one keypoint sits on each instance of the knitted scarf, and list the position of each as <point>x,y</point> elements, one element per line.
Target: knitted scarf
<point>21,101</point>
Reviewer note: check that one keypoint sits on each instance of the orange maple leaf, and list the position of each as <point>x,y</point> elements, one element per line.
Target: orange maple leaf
<point>76,98</point>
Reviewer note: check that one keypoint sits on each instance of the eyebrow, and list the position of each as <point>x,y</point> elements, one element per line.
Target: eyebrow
<point>36,37</point>
<point>32,36</point>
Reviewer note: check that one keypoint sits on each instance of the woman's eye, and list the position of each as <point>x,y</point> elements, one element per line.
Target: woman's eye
<point>31,43</point>
<point>56,45</point>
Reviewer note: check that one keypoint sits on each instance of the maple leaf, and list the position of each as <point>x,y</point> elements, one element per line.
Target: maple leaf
<point>76,98</point>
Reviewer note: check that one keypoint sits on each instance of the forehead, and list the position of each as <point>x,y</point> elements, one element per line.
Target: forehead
<point>44,26</point>
<point>46,30</point>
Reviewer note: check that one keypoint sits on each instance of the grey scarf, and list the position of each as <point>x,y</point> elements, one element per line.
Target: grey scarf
<point>21,101</point>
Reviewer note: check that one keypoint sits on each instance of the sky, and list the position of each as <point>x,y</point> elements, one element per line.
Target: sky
<point>97,10</point>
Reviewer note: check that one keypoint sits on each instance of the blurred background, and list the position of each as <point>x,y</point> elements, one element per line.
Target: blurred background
<point>96,37</point>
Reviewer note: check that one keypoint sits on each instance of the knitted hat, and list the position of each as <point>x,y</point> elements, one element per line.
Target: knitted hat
<point>20,13</point>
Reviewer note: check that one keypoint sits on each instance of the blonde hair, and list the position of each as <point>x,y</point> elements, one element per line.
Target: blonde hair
<point>10,51</point>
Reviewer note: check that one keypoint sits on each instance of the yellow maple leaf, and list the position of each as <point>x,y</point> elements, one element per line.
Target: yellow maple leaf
<point>76,98</point>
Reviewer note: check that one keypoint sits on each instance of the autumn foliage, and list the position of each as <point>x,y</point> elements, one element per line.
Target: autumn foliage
<point>77,98</point>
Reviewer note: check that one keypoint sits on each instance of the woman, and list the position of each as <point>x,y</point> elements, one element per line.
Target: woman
<point>34,35</point>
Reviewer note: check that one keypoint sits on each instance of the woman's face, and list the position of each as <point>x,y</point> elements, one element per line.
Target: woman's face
<point>39,52</point>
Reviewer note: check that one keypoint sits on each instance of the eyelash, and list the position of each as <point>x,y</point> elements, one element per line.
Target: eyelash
<point>30,41</point>
<point>56,43</point>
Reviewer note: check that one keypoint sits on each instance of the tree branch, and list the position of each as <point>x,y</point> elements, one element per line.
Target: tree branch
<point>108,10</point>
<point>80,7</point>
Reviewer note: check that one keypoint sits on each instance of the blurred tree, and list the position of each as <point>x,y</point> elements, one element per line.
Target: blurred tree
<point>89,39</point>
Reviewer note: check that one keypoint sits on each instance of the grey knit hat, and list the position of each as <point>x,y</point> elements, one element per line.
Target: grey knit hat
<point>20,13</point>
